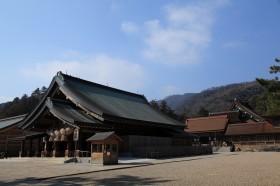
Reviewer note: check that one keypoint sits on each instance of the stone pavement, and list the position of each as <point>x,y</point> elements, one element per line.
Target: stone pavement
<point>32,169</point>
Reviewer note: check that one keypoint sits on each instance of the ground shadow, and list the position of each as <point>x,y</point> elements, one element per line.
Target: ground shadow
<point>79,180</point>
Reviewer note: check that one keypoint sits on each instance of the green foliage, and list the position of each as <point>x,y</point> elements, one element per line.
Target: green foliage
<point>275,68</point>
<point>164,108</point>
<point>202,112</point>
<point>154,104</point>
<point>22,105</point>
<point>268,103</point>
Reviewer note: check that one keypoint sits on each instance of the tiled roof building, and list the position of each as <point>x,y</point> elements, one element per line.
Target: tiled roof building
<point>239,125</point>
<point>73,109</point>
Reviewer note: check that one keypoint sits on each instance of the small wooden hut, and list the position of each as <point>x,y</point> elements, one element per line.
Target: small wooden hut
<point>104,148</point>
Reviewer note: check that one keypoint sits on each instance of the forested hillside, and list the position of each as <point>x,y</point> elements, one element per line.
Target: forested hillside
<point>214,99</point>
<point>188,105</point>
<point>22,105</point>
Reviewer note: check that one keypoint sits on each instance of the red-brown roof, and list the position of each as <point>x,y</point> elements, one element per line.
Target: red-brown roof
<point>251,128</point>
<point>207,124</point>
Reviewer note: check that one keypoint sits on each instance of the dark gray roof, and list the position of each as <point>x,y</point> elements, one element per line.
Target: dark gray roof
<point>101,136</point>
<point>29,136</point>
<point>6,122</point>
<point>102,102</point>
<point>107,101</point>
<point>63,110</point>
<point>67,112</point>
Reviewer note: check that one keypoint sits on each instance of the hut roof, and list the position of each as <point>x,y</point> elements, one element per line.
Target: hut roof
<point>103,136</point>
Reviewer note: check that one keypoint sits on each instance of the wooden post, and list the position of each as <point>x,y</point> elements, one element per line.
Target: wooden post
<point>67,149</point>
<point>7,149</point>
<point>54,148</point>
<point>30,147</point>
<point>75,139</point>
<point>22,148</point>
<point>38,149</point>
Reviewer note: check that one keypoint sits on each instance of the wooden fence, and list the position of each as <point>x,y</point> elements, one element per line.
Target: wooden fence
<point>170,151</point>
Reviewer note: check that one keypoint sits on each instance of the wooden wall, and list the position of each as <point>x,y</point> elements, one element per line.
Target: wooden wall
<point>10,132</point>
<point>131,142</point>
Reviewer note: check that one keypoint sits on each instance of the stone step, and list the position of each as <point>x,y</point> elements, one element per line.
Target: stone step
<point>224,149</point>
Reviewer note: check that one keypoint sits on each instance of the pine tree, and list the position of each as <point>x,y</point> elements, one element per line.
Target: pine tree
<point>268,103</point>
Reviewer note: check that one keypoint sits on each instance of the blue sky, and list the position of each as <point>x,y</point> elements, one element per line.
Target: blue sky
<point>156,48</point>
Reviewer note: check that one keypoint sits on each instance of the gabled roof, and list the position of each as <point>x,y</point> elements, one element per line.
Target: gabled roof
<point>104,103</point>
<point>100,136</point>
<point>67,112</point>
<point>207,124</point>
<point>238,105</point>
<point>64,111</point>
<point>8,122</point>
<point>251,128</point>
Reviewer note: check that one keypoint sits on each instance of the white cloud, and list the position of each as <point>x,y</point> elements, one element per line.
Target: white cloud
<point>114,6</point>
<point>45,71</point>
<point>186,34</point>
<point>129,27</point>
<point>101,69</point>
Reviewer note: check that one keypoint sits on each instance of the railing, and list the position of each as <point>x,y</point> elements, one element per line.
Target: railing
<point>83,154</point>
<point>79,153</point>
<point>170,151</point>
<point>2,155</point>
<point>258,142</point>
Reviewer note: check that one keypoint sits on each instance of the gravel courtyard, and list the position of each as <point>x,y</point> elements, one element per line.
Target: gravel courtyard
<point>249,168</point>
<point>254,168</point>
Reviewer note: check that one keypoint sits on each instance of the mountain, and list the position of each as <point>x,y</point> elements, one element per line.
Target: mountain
<point>214,99</point>
<point>23,105</point>
<point>174,100</point>
<point>2,105</point>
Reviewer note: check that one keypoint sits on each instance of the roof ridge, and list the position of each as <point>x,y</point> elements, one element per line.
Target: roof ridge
<point>57,100</point>
<point>208,117</point>
<point>99,85</point>
<point>256,123</point>
<point>242,105</point>
<point>13,117</point>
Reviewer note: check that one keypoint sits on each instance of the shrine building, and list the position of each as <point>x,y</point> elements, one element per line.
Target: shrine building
<point>73,110</point>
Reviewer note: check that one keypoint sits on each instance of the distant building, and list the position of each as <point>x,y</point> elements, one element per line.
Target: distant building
<point>239,126</point>
<point>208,128</point>
<point>9,129</point>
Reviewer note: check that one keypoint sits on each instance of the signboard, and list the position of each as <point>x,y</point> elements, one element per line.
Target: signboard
<point>76,135</point>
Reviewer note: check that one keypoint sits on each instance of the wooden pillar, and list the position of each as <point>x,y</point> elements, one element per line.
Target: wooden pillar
<point>54,149</point>
<point>7,149</point>
<point>67,151</point>
<point>30,147</point>
<point>45,149</point>
<point>21,154</point>
<point>38,149</point>
<point>79,141</point>
<point>76,139</point>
